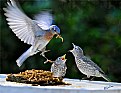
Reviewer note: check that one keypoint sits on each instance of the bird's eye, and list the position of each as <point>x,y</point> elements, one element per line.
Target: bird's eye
<point>77,48</point>
<point>52,28</point>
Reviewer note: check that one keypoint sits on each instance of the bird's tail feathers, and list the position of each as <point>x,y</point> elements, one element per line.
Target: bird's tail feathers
<point>105,77</point>
<point>23,57</point>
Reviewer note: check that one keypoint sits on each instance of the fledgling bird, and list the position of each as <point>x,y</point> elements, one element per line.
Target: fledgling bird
<point>59,67</point>
<point>86,65</point>
<point>37,32</point>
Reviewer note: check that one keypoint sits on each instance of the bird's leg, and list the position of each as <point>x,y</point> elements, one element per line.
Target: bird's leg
<point>43,54</point>
<point>48,61</point>
<point>85,77</point>
<point>44,51</point>
<point>92,78</point>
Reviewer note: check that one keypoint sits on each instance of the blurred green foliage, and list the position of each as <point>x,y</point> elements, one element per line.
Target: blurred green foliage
<point>94,25</point>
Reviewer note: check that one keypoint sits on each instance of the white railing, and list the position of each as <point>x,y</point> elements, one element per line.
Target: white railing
<point>83,86</point>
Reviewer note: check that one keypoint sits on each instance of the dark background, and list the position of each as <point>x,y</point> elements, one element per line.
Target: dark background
<point>94,25</point>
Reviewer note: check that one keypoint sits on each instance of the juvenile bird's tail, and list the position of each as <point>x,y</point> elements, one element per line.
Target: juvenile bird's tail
<point>24,56</point>
<point>105,77</point>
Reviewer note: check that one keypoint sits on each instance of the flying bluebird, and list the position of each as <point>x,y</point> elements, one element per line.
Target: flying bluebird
<point>85,65</point>
<point>37,32</point>
<point>59,67</point>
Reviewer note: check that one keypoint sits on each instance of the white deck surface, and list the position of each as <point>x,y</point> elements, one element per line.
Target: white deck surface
<point>83,86</point>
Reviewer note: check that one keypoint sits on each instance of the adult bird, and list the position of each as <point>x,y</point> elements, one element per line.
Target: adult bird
<point>37,32</point>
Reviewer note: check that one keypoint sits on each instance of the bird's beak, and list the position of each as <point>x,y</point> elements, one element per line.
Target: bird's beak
<point>73,44</point>
<point>59,36</point>
<point>72,49</point>
<point>64,57</point>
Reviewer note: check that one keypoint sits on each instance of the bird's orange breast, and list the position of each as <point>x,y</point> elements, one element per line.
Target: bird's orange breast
<point>48,36</point>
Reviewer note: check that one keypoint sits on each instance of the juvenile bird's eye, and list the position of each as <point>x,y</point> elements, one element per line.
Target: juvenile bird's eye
<point>76,48</point>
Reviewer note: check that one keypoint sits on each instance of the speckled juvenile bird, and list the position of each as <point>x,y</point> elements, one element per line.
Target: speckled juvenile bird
<point>36,32</point>
<point>59,67</point>
<point>86,65</point>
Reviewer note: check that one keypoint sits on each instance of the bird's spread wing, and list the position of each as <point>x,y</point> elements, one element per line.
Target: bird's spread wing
<point>24,28</point>
<point>44,20</point>
<point>92,64</point>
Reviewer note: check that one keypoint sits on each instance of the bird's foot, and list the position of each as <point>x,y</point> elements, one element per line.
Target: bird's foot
<point>43,52</point>
<point>46,51</point>
<point>84,78</point>
<point>92,78</point>
<point>88,78</point>
<point>48,61</point>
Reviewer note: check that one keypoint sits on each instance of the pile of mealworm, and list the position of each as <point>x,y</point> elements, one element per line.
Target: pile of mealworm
<point>39,77</point>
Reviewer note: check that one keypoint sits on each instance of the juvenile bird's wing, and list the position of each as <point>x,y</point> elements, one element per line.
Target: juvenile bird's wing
<point>92,64</point>
<point>64,71</point>
<point>24,28</point>
<point>44,20</point>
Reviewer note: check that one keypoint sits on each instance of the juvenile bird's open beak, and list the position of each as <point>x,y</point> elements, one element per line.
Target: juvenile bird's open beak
<point>59,36</point>
<point>64,57</point>
<point>72,49</point>
<point>73,44</point>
